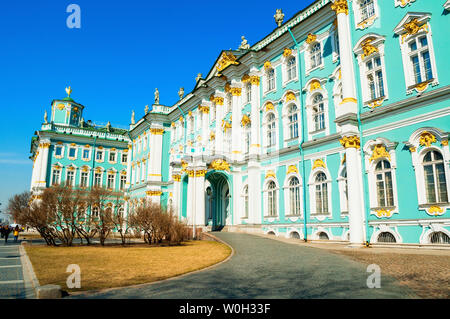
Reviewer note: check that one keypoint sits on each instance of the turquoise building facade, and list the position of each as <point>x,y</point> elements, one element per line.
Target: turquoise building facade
<point>334,126</point>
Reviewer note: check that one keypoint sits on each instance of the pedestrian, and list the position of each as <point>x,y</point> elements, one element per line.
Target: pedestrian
<point>2,231</point>
<point>7,231</point>
<point>16,233</point>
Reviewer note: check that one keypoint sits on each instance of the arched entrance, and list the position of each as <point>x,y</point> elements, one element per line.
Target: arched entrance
<point>217,201</point>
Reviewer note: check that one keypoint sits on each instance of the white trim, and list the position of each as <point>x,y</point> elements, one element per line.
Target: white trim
<point>309,112</point>
<point>284,68</point>
<point>287,202</point>
<point>384,228</point>
<point>266,200</point>
<point>363,24</point>
<point>312,192</point>
<point>428,230</point>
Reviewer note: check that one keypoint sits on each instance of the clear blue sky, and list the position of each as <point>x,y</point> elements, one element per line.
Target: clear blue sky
<point>123,51</point>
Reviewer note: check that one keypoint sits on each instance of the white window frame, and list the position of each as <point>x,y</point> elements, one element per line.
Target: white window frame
<point>404,41</point>
<point>76,152</point>
<point>287,123</point>
<point>102,152</point>
<point>62,151</point>
<point>285,68</point>
<point>101,178</point>
<point>266,198</point>
<point>123,178</point>
<point>309,108</point>
<point>343,189</point>
<point>403,3</point>
<point>74,175</point>
<point>115,157</point>
<point>245,198</point>
<point>54,170</point>
<point>361,23</point>
<point>87,178</point>
<point>276,130</point>
<point>266,89</point>
<point>287,198</point>
<point>312,193</point>
<point>109,174</point>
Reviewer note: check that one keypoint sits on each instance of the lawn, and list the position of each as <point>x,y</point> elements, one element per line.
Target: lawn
<point>117,266</point>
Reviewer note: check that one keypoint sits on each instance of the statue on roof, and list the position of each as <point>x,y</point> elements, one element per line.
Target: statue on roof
<point>108,126</point>
<point>156,97</point>
<point>146,109</point>
<point>132,118</point>
<point>45,117</point>
<point>181,93</point>
<point>279,17</point>
<point>199,76</point>
<point>244,44</point>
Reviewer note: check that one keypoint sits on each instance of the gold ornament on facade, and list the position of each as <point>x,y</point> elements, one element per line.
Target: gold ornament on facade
<point>368,22</point>
<point>190,173</point>
<point>383,213</point>
<point>218,100</point>
<point>287,52</point>
<point>153,193</point>
<point>444,142</point>
<point>412,28</point>
<point>227,87</point>
<point>412,149</point>
<point>318,163</point>
<point>176,177</point>
<point>368,48</point>
<point>426,139</point>
<point>435,210</point>
<point>344,159</point>
<point>226,125</point>
<point>271,174</point>
<point>204,109</point>
<point>68,91</point>
<point>379,151</point>
<point>348,100</point>
<point>172,124</point>
<point>157,131</point>
<point>311,38</point>
<point>267,65</point>
<point>269,106</point>
<point>200,173</point>
<point>340,6</point>
<point>422,86</point>
<point>290,96</point>
<point>181,119</point>
<point>219,165</point>
<point>225,60</point>
<point>254,80</point>
<point>350,141</point>
<point>212,136</point>
<point>245,120</point>
<point>292,169</point>
<point>376,103</point>
<point>236,91</point>
<point>315,85</point>
<point>60,106</point>
<point>245,78</point>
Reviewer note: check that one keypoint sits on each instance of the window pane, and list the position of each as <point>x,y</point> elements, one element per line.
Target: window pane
<point>427,65</point>
<point>429,184</point>
<point>442,185</point>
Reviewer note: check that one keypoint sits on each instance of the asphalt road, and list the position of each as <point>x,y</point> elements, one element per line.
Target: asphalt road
<point>266,268</point>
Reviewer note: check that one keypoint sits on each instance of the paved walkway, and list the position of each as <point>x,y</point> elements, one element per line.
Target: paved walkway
<point>266,268</point>
<point>12,283</point>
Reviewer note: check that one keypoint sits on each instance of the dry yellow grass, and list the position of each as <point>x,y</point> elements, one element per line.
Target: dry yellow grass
<point>117,266</point>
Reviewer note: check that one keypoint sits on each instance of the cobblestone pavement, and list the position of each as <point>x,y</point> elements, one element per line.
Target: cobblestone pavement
<point>266,268</point>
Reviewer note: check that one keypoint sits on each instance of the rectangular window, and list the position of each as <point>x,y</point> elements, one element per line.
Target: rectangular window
<point>56,176</point>
<point>98,179</point>
<point>374,74</point>
<point>123,181</point>
<point>58,150</point>
<point>420,60</point>
<point>99,155</point>
<point>72,152</point>
<point>84,179</point>
<point>86,154</point>
<point>70,178</point>
<point>124,158</point>
<point>112,156</point>
<point>110,181</point>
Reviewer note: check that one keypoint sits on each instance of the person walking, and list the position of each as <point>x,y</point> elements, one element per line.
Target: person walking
<point>16,233</point>
<point>6,231</point>
<point>2,231</point>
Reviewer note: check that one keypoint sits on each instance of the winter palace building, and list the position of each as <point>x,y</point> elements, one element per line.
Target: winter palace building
<point>335,126</point>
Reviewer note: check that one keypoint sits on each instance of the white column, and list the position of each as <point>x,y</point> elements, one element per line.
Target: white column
<point>190,197</point>
<point>155,153</point>
<point>144,166</point>
<point>236,136</point>
<point>355,196</point>
<point>36,168</point>
<point>129,172</point>
<point>219,117</point>
<point>204,111</point>
<point>348,104</point>
<point>238,204</point>
<point>199,209</point>
<point>255,144</point>
<point>176,176</point>
<point>42,179</point>
<point>254,193</point>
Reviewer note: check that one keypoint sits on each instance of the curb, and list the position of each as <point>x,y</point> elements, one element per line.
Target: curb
<point>94,292</point>
<point>30,280</point>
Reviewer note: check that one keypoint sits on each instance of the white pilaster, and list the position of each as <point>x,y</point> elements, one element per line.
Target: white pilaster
<point>236,137</point>
<point>42,179</point>
<point>255,144</point>
<point>154,174</point>
<point>219,100</point>
<point>199,205</point>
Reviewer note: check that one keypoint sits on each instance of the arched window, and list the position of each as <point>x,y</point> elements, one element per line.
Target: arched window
<point>272,199</point>
<point>295,235</point>
<point>271,130</point>
<point>323,236</point>
<point>294,196</point>
<point>120,212</point>
<point>435,182</point>
<point>343,184</point>
<point>318,112</point>
<point>270,80</point>
<point>291,72</point>
<point>293,121</point>
<point>439,238</point>
<point>245,195</point>
<point>321,193</point>
<point>95,212</point>
<point>374,74</point>
<point>316,55</point>
<point>386,237</point>
<point>383,176</point>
